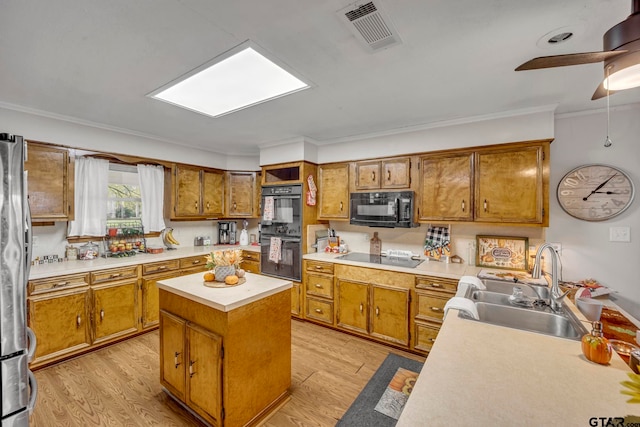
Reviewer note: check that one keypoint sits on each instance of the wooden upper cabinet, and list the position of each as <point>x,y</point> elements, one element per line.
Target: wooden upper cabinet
<point>213,182</point>
<point>196,193</point>
<point>446,187</point>
<point>388,173</point>
<point>241,194</point>
<point>333,195</point>
<point>51,172</point>
<point>512,185</point>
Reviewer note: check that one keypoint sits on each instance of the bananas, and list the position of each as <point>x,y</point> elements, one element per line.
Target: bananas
<point>167,237</point>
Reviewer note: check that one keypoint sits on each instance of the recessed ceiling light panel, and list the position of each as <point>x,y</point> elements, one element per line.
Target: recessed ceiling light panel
<point>237,79</point>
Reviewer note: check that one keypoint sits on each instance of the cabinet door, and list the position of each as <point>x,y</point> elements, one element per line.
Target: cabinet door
<point>333,197</point>
<point>390,314</point>
<point>396,173</point>
<point>296,297</point>
<point>60,321</point>
<point>115,309</point>
<point>187,191</point>
<point>353,303</point>
<point>172,353</point>
<point>367,175</point>
<point>150,298</point>
<point>240,189</point>
<point>212,193</point>
<point>446,188</point>
<point>509,185</point>
<point>204,370</point>
<point>51,176</point>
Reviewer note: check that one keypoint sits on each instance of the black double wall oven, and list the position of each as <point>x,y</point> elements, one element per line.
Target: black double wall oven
<point>281,231</point>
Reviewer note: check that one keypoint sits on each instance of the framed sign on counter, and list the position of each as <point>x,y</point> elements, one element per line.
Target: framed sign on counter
<point>505,252</point>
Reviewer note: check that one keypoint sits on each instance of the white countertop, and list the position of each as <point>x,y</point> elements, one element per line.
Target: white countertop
<point>427,267</point>
<point>228,298</point>
<point>72,267</point>
<point>478,374</point>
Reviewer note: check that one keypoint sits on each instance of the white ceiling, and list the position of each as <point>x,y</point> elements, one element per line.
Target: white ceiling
<point>95,61</point>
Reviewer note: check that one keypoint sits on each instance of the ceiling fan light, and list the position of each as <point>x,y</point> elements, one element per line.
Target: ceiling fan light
<point>624,79</point>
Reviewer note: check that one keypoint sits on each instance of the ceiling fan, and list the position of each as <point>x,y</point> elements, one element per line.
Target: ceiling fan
<point>621,56</point>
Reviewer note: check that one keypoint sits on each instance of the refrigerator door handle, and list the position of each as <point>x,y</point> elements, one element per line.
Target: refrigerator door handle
<point>33,385</point>
<point>29,234</point>
<point>33,342</point>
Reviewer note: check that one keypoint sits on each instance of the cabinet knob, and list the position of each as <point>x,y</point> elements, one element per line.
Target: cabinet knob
<point>432,339</point>
<point>437,309</point>
<point>485,205</point>
<point>463,206</point>
<point>114,275</point>
<point>101,314</point>
<point>319,311</point>
<point>78,321</point>
<point>318,285</point>
<point>197,261</point>
<point>318,267</point>
<point>361,308</point>
<point>377,311</point>
<point>235,206</point>
<point>373,176</point>
<point>208,205</point>
<point>175,359</point>
<point>162,267</point>
<point>436,285</point>
<point>388,174</point>
<point>196,205</point>
<point>341,206</point>
<point>60,284</point>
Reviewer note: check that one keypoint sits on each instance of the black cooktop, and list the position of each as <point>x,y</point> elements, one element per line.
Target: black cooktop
<point>377,259</point>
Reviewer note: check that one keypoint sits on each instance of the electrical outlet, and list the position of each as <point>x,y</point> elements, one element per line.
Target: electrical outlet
<point>619,234</point>
<point>34,241</point>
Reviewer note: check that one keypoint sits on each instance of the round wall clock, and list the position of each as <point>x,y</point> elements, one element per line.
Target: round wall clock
<point>595,192</point>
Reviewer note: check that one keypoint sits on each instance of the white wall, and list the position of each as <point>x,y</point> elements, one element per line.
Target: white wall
<point>586,249</point>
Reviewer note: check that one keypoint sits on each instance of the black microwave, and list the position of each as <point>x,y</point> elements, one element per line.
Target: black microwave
<point>382,209</point>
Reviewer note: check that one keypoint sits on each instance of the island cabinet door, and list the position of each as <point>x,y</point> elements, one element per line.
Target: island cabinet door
<point>172,353</point>
<point>390,314</point>
<point>204,373</point>
<point>115,310</point>
<point>353,304</point>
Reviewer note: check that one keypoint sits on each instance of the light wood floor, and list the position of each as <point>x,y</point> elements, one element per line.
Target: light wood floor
<point>119,385</point>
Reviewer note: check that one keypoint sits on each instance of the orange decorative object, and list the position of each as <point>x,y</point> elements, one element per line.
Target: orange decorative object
<point>595,347</point>
<point>209,276</point>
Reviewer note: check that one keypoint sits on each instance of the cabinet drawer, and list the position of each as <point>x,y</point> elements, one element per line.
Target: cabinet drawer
<point>251,256</point>
<point>193,261</point>
<point>319,285</point>
<point>113,274</point>
<point>159,267</point>
<point>425,334</point>
<point>57,283</point>
<point>320,267</point>
<point>430,305</point>
<point>321,310</point>
<point>251,266</point>
<point>436,283</point>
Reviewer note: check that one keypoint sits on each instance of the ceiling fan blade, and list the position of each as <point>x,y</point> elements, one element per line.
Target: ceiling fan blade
<point>601,92</point>
<point>569,59</point>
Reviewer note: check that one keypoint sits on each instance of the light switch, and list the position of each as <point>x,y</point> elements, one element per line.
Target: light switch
<point>619,234</point>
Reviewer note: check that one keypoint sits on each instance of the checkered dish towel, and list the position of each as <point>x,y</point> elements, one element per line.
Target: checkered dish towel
<point>437,241</point>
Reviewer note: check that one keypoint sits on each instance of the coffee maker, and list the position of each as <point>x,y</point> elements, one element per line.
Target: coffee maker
<point>226,232</point>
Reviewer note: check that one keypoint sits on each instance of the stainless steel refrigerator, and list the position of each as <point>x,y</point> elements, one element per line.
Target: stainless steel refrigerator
<point>19,388</point>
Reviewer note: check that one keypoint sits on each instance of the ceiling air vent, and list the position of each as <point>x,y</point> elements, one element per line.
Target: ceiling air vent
<point>370,25</point>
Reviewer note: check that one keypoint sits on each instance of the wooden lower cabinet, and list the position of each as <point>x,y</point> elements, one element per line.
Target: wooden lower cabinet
<point>61,322</point>
<point>296,299</point>
<point>432,293</point>
<point>230,367</point>
<point>115,310</point>
<point>151,274</point>
<point>250,262</point>
<point>318,291</point>
<point>191,361</point>
<point>377,310</point>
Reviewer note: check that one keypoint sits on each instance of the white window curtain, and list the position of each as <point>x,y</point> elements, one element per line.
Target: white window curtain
<point>91,192</point>
<point>152,195</point>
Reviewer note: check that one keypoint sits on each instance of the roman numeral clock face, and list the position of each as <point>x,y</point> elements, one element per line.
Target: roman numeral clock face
<point>595,192</point>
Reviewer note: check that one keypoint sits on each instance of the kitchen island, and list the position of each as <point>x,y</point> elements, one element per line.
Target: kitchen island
<point>478,374</point>
<point>225,353</point>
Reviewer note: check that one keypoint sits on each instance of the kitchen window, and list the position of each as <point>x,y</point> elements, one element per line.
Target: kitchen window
<point>123,201</point>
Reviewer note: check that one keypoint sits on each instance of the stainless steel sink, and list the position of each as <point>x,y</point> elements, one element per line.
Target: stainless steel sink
<point>493,306</point>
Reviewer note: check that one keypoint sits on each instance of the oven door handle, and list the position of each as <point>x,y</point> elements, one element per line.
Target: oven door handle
<point>284,239</point>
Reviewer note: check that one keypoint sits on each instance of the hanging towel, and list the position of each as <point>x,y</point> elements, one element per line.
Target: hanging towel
<point>462,304</point>
<point>275,249</point>
<point>268,209</point>
<point>438,242</point>
<point>472,280</point>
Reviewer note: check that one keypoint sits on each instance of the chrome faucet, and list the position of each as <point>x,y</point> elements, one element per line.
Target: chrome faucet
<point>555,297</point>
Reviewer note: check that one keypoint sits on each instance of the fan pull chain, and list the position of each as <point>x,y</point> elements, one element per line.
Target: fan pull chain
<point>607,142</point>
